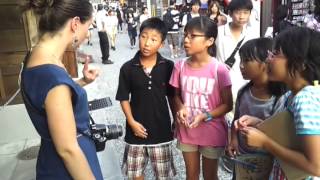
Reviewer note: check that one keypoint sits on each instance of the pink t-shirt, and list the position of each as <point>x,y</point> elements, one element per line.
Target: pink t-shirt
<point>200,91</point>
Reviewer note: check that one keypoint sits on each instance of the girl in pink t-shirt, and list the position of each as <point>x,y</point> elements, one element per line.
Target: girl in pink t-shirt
<point>202,98</point>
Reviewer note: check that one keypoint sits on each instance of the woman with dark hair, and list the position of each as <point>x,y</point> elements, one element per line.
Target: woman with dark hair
<point>215,14</point>
<point>295,61</point>
<point>57,105</point>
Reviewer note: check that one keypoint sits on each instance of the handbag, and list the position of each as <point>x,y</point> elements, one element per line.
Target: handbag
<point>231,59</point>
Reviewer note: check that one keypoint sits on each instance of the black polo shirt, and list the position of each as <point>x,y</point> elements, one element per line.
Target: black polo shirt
<point>147,95</point>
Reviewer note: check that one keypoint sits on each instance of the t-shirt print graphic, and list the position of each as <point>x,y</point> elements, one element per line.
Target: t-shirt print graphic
<point>196,94</point>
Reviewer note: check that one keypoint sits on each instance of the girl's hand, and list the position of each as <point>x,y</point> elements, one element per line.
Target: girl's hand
<point>196,120</point>
<point>233,147</point>
<point>138,130</point>
<point>254,137</point>
<point>89,75</point>
<point>182,116</point>
<point>245,121</point>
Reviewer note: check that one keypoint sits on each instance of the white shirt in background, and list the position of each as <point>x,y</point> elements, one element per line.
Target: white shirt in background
<point>226,43</point>
<point>143,17</point>
<point>100,17</point>
<point>111,23</point>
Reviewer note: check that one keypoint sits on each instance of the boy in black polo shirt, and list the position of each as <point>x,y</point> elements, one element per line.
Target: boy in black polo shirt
<point>142,91</point>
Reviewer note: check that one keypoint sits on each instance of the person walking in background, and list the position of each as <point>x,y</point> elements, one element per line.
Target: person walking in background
<point>144,15</point>
<point>120,18</point>
<point>111,24</point>
<point>57,105</point>
<point>215,14</point>
<point>202,98</point>
<point>281,20</point>
<point>173,32</point>
<point>195,6</point>
<point>132,29</point>
<point>259,98</point>
<point>294,61</point>
<point>103,37</point>
<point>143,91</point>
<point>313,20</point>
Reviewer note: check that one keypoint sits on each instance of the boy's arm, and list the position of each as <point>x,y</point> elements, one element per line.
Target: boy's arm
<point>136,127</point>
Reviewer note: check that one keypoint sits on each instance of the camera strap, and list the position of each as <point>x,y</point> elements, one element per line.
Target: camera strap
<point>231,57</point>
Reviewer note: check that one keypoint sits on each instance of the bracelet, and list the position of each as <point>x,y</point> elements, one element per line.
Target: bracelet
<point>209,117</point>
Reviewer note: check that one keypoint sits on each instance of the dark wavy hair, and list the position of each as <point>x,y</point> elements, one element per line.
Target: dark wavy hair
<point>205,25</point>
<point>53,14</point>
<point>301,47</point>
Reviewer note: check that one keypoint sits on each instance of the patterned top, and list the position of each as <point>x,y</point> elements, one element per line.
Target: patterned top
<point>305,107</point>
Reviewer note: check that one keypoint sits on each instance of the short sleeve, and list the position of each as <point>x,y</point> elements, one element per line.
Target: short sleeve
<point>223,76</point>
<point>123,86</point>
<point>175,76</point>
<point>170,88</point>
<point>305,108</point>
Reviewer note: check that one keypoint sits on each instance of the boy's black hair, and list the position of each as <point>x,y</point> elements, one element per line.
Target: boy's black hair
<point>156,24</point>
<point>207,26</point>
<point>195,2</point>
<point>257,50</point>
<point>301,47</point>
<point>240,4</point>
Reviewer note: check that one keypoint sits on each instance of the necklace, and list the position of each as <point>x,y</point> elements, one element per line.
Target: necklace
<point>53,57</point>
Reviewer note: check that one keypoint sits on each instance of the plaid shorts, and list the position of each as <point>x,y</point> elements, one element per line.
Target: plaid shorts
<point>136,157</point>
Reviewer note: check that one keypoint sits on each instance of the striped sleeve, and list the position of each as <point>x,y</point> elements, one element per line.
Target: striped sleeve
<point>306,111</point>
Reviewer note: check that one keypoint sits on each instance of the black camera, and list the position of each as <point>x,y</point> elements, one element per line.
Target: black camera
<point>100,133</point>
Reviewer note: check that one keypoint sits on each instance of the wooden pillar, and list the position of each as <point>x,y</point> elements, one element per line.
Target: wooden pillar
<point>70,61</point>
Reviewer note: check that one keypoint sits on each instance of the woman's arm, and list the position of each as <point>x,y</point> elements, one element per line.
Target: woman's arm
<point>62,127</point>
<point>307,160</point>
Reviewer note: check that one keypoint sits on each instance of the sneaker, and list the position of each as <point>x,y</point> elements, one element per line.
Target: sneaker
<point>107,62</point>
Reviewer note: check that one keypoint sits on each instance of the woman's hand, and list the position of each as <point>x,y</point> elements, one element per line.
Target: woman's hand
<point>245,121</point>
<point>182,116</point>
<point>254,137</point>
<point>139,130</point>
<point>89,75</point>
<point>196,120</point>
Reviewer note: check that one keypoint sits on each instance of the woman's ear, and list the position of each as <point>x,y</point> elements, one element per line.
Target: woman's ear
<point>75,23</point>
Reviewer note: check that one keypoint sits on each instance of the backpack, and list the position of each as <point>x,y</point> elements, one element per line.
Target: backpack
<point>168,19</point>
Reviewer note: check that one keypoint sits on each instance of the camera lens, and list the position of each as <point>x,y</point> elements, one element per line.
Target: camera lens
<point>113,131</point>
